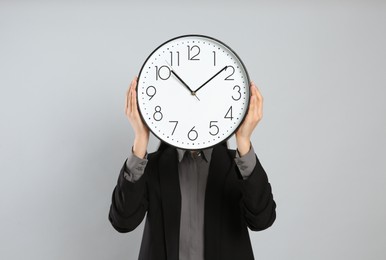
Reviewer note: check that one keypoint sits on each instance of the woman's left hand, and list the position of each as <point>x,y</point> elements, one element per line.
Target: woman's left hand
<point>253,117</point>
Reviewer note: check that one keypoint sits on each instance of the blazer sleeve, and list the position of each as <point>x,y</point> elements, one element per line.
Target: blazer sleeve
<point>257,202</point>
<point>129,202</point>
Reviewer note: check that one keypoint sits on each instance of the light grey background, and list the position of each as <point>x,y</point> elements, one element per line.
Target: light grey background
<point>65,67</point>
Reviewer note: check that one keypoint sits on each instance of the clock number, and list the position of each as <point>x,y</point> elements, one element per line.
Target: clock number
<point>214,58</point>
<point>238,91</point>
<point>212,125</point>
<point>192,134</point>
<point>151,91</point>
<point>229,115</point>
<point>229,76</point>
<point>191,50</point>
<point>176,123</point>
<point>162,72</point>
<point>178,58</point>
<point>157,114</point>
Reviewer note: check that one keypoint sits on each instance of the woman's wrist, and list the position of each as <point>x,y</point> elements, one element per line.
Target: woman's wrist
<point>140,145</point>
<point>243,145</point>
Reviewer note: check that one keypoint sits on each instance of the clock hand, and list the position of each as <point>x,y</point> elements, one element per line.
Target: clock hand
<point>211,78</point>
<point>183,82</point>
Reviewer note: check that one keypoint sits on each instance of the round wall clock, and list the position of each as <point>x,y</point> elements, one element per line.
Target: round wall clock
<point>193,92</point>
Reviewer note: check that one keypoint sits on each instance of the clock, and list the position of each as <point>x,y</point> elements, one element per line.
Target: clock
<point>193,92</point>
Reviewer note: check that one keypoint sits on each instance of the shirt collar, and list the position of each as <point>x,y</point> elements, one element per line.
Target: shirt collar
<point>207,153</point>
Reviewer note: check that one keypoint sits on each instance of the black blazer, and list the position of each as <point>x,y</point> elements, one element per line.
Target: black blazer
<point>231,205</point>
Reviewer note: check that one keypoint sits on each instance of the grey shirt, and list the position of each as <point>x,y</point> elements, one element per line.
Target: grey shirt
<point>193,169</point>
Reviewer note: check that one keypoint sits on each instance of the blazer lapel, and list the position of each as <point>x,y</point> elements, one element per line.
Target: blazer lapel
<point>171,201</point>
<point>218,171</point>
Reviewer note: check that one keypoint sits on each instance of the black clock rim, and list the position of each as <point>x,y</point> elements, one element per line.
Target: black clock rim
<point>203,36</point>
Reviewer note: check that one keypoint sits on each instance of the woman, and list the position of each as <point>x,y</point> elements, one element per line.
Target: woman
<point>199,204</point>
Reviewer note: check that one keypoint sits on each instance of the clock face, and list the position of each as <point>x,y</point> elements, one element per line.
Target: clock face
<point>193,92</point>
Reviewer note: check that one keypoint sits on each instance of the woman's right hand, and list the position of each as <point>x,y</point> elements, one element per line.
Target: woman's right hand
<point>141,131</point>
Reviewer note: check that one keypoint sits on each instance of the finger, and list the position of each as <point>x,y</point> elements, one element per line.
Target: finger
<point>252,105</point>
<point>129,101</point>
<point>259,105</point>
<point>126,101</point>
<point>257,92</point>
<point>127,98</point>
<point>134,96</point>
<point>132,89</point>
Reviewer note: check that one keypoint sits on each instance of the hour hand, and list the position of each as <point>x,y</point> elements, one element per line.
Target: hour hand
<point>183,82</point>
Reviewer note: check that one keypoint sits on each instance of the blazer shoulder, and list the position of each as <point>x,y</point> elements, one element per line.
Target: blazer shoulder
<point>156,154</point>
<point>232,152</point>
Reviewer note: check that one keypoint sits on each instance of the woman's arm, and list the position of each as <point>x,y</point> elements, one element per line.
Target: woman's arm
<point>258,204</point>
<point>129,202</point>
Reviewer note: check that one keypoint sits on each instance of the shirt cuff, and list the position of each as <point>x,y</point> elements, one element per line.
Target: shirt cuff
<point>246,163</point>
<point>135,167</point>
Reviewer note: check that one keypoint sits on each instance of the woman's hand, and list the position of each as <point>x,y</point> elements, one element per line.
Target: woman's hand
<point>141,131</point>
<point>254,115</point>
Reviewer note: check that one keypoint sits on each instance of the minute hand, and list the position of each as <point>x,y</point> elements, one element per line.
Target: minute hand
<point>211,78</point>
